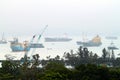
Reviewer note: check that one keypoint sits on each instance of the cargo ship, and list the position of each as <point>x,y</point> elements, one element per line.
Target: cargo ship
<point>26,46</point>
<point>57,39</point>
<point>111,37</point>
<point>16,46</point>
<point>95,42</point>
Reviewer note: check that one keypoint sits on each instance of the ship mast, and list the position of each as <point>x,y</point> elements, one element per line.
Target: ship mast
<point>3,37</point>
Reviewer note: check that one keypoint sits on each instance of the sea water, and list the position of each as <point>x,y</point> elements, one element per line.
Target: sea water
<point>55,48</point>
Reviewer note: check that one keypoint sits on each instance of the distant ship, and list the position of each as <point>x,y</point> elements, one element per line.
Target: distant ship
<point>112,47</point>
<point>95,42</point>
<point>36,45</point>
<point>111,37</point>
<point>57,39</point>
<point>3,40</point>
<point>17,47</point>
<point>25,46</point>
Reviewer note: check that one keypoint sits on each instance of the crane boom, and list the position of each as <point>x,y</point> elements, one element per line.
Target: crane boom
<point>26,52</point>
<point>39,39</point>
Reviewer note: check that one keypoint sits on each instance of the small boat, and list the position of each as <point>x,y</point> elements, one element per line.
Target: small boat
<point>95,42</point>
<point>112,47</point>
<point>3,40</point>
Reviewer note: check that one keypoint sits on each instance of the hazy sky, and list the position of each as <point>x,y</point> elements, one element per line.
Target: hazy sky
<point>73,17</point>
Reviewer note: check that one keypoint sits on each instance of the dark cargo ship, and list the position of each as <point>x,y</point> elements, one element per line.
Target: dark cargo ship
<point>57,39</point>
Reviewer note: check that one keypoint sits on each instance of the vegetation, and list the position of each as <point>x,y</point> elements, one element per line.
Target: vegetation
<point>84,65</point>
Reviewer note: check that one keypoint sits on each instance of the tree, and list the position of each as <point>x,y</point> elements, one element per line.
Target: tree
<point>87,72</point>
<point>80,52</point>
<point>11,68</point>
<point>95,56</point>
<point>57,57</point>
<point>86,52</point>
<point>104,53</point>
<point>55,71</point>
<point>29,68</point>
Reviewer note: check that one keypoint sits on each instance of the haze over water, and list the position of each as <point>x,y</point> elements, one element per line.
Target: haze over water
<point>19,18</point>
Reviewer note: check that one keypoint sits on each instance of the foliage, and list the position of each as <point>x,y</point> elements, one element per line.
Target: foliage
<point>10,69</point>
<point>85,64</point>
<point>55,71</point>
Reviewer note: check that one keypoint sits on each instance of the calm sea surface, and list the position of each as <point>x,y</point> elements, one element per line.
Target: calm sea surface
<point>55,48</point>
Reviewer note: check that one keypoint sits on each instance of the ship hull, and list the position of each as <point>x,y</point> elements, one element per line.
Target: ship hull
<point>36,45</point>
<point>112,48</point>
<point>19,48</point>
<point>25,46</point>
<point>1,42</point>
<point>111,37</point>
<point>89,44</point>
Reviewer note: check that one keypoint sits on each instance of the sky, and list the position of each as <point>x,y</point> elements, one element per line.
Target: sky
<point>74,17</point>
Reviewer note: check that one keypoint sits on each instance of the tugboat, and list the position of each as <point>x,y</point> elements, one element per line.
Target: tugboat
<point>112,47</point>
<point>95,42</point>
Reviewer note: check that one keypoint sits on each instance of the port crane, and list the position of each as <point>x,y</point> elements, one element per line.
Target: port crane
<point>39,37</point>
